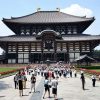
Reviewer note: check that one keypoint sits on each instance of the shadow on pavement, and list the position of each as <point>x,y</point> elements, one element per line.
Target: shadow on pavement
<point>35,92</point>
<point>86,89</point>
<point>26,88</point>
<point>2,96</point>
<point>25,95</point>
<point>60,99</point>
<point>97,86</point>
<point>53,97</point>
<point>3,85</point>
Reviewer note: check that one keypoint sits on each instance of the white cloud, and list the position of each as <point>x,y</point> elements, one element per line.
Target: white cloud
<point>76,9</point>
<point>4,30</point>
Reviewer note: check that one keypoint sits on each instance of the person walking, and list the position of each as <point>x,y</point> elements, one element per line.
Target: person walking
<point>54,88</point>
<point>75,73</point>
<point>16,81</point>
<point>47,88</point>
<point>33,82</point>
<point>83,81</point>
<point>24,81</point>
<point>93,80</point>
<point>50,74</point>
<point>70,73</point>
<point>65,73</point>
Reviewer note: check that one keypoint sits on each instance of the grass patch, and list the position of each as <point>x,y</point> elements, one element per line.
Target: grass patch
<point>5,69</point>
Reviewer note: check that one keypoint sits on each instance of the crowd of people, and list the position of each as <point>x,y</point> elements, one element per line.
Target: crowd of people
<point>51,76</point>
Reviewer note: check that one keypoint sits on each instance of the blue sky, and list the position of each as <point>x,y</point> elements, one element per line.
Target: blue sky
<point>16,8</point>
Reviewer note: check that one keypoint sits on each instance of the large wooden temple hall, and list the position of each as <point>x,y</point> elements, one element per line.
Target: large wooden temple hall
<point>43,35</point>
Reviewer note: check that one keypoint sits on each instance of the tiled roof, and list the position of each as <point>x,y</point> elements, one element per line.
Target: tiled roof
<point>84,57</point>
<point>33,38</point>
<point>81,38</point>
<point>48,17</point>
<point>17,39</point>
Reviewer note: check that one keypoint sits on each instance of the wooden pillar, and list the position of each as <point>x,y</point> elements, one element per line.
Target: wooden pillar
<point>30,53</point>
<point>74,49</point>
<point>17,53</point>
<point>64,57</point>
<point>67,44</point>
<point>55,48</point>
<point>42,58</point>
<point>80,48</point>
<point>91,47</point>
<point>6,52</point>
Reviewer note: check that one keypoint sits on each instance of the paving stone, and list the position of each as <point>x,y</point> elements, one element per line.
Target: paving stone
<point>68,89</point>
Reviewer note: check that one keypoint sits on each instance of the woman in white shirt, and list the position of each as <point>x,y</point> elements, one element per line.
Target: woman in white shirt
<point>54,87</point>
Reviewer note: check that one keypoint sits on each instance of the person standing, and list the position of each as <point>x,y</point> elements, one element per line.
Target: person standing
<point>54,88</point>
<point>20,82</point>
<point>16,81</point>
<point>93,80</point>
<point>33,81</point>
<point>83,81</point>
<point>75,73</point>
<point>47,88</point>
<point>64,73</point>
<point>24,81</point>
<point>70,73</point>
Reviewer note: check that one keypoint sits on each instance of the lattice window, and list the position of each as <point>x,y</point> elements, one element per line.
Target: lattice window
<point>71,47</point>
<point>12,48</point>
<point>22,30</point>
<point>74,30</point>
<point>69,30</point>
<point>58,46</point>
<point>64,47</point>
<point>27,31</point>
<point>38,46</point>
<point>33,47</point>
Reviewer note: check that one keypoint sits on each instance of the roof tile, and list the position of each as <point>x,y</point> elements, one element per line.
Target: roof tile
<point>48,17</point>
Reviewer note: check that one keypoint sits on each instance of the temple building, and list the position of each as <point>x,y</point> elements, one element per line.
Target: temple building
<point>43,35</point>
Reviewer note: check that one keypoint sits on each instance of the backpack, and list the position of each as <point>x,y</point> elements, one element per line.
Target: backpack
<point>46,83</point>
<point>33,79</point>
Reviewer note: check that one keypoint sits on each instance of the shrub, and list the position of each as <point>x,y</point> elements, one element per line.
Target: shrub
<point>90,71</point>
<point>89,67</point>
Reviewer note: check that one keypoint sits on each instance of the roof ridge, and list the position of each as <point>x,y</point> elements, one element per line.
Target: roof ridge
<point>29,14</point>
<point>48,12</point>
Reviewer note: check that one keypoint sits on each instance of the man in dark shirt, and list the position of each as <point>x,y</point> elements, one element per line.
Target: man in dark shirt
<point>33,81</point>
<point>83,81</point>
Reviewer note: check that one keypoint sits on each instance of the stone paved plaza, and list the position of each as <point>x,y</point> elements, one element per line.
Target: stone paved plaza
<point>68,89</point>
